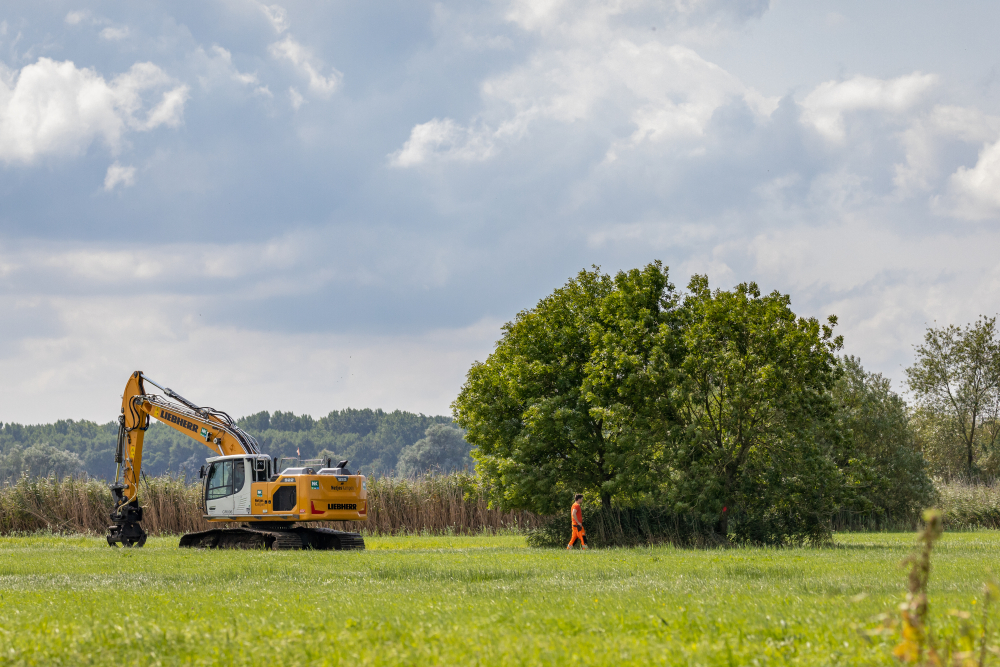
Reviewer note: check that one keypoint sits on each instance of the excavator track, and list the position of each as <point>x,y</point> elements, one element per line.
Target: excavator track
<point>286,541</point>
<point>292,538</point>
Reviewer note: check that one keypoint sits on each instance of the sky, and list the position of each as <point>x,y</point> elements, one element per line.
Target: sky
<point>309,206</point>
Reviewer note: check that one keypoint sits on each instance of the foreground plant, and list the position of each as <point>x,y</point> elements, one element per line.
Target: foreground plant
<point>918,644</point>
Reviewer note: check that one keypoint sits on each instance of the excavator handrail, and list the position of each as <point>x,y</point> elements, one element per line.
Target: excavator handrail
<point>191,404</point>
<point>249,443</point>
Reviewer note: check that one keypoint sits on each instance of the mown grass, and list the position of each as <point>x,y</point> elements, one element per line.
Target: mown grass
<point>453,600</point>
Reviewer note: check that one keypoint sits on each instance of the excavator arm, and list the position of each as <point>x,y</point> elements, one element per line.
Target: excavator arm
<point>299,495</point>
<point>214,428</point>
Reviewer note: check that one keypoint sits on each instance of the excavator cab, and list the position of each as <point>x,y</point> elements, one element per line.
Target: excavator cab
<point>227,484</point>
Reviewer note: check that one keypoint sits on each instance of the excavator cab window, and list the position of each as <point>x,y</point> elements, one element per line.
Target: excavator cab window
<point>239,476</point>
<point>220,480</point>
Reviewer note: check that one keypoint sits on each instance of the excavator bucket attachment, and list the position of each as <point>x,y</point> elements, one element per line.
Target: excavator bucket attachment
<point>127,535</point>
<point>125,529</point>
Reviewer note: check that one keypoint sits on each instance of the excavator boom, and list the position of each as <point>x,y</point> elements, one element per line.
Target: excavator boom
<point>241,484</point>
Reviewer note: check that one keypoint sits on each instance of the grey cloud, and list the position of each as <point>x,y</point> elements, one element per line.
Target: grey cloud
<point>544,151</point>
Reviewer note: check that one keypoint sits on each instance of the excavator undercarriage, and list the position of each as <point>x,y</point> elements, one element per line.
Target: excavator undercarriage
<point>278,537</point>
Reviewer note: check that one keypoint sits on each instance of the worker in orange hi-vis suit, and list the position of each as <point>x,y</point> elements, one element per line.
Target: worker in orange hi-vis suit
<point>576,515</point>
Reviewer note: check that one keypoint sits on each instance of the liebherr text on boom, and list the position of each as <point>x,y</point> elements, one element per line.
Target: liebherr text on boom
<point>241,486</point>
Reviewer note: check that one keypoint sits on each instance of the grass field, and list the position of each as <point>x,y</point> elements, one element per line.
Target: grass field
<point>466,600</point>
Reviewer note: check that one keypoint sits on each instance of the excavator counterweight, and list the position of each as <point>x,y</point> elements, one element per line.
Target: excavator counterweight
<point>240,485</point>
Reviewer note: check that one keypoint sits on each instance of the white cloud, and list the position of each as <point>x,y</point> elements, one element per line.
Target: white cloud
<point>549,17</point>
<point>930,133</point>
<point>102,266</point>
<point>824,108</point>
<point>98,341</point>
<point>301,57</point>
<point>590,66</point>
<point>114,33</point>
<point>170,110</point>
<point>886,285</point>
<point>319,84</point>
<point>56,108</point>
<point>276,15</point>
<point>119,175</point>
<point>255,265</point>
<point>165,314</point>
<point>76,17</point>
<point>974,193</point>
<point>217,68</point>
<point>444,139</point>
<point>517,108</point>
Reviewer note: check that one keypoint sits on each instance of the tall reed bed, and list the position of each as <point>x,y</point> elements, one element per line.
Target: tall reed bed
<point>435,505</point>
<point>75,505</point>
<point>964,505</point>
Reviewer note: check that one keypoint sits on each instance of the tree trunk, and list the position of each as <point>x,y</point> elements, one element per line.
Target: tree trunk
<point>605,500</point>
<point>970,443</point>
<point>969,458</point>
<point>727,494</point>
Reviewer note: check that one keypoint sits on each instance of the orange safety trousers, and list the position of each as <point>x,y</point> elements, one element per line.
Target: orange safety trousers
<point>578,532</point>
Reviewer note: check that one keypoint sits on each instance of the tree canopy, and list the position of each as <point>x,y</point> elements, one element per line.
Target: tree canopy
<point>717,404</point>
<point>885,472</point>
<point>548,410</point>
<point>956,379</point>
<point>753,413</point>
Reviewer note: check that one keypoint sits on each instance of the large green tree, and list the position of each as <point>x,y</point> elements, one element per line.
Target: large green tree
<point>956,377</point>
<point>715,405</point>
<point>549,409</point>
<point>754,412</point>
<point>886,473</point>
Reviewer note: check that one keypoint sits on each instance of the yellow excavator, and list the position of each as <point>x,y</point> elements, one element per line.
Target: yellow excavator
<point>262,499</point>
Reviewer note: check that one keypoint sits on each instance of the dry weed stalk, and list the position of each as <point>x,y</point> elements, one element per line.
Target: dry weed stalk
<point>918,644</point>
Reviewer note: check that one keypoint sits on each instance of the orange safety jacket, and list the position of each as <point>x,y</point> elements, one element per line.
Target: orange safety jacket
<point>576,515</point>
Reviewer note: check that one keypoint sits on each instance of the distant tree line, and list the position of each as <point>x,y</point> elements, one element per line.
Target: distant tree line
<point>38,460</point>
<point>372,440</point>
